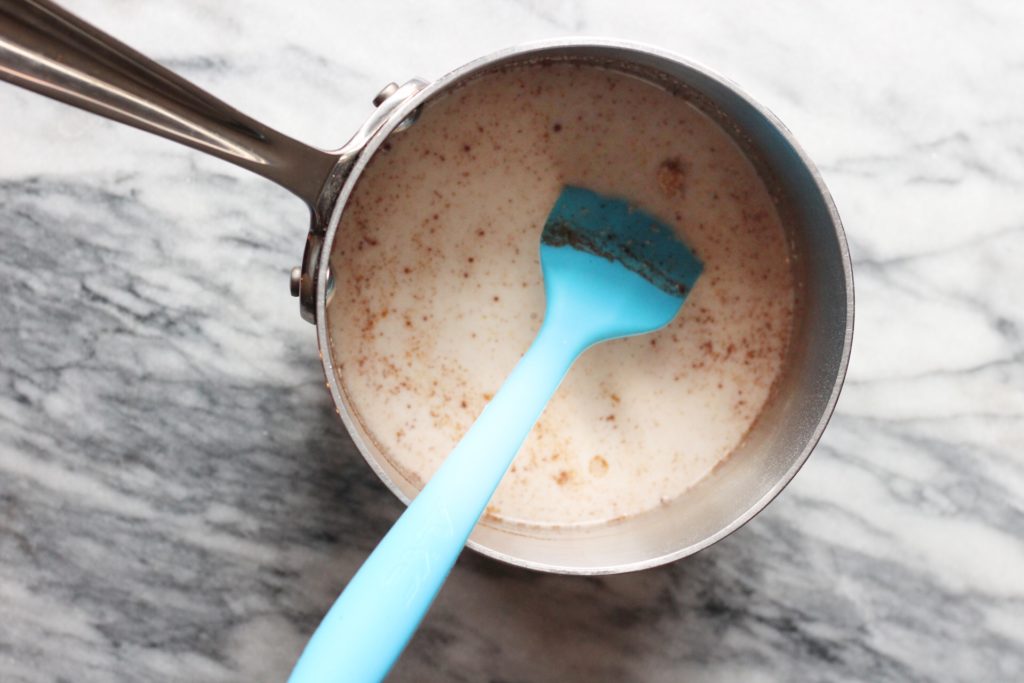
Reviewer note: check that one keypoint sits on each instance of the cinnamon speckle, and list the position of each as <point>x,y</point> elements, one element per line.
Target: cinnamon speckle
<point>672,173</point>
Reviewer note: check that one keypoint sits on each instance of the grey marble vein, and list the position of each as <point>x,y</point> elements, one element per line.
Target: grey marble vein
<point>178,501</point>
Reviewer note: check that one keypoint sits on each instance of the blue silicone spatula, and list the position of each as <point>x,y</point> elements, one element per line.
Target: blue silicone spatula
<point>610,270</point>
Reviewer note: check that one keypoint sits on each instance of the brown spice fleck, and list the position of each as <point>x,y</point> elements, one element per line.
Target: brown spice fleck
<point>598,466</point>
<point>672,176</point>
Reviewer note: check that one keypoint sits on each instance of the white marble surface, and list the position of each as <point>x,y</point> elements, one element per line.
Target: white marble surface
<point>179,503</point>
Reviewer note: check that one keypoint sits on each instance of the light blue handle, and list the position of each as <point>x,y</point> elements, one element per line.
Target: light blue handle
<point>589,299</point>
<point>370,623</point>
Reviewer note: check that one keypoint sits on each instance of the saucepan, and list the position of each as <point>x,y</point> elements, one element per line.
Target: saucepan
<point>48,50</point>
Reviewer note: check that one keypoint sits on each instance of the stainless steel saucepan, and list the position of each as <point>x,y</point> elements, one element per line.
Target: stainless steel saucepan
<point>47,49</point>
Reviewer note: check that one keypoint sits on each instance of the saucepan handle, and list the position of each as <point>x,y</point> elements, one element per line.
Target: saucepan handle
<point>51,51</point>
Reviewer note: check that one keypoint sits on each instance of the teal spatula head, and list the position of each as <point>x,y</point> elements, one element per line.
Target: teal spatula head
<point>610,270</point>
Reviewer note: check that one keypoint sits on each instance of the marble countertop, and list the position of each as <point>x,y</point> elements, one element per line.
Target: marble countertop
<point>178,501</point>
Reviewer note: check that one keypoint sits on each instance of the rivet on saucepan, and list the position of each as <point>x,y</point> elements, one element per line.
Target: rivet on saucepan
<point>296,280</point>
<point>385,92</point>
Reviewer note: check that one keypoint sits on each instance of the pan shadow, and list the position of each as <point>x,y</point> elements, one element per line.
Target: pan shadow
<point>503,623</point>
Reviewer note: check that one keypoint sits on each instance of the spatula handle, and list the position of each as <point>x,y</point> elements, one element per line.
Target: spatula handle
<point>369,625</point>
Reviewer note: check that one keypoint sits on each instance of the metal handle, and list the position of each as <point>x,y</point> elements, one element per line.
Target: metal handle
<point>51,51</point>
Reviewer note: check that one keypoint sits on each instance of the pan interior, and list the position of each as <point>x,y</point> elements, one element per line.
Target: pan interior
<point>785,427</point>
